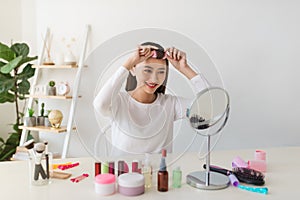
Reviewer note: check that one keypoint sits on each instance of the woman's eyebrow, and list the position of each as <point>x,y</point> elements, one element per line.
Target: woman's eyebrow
<point>149,67</point>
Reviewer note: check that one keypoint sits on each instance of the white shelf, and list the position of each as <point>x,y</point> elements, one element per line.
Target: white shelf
<point>45,129</point>
<point>50,97</point>
<point>54,66</point>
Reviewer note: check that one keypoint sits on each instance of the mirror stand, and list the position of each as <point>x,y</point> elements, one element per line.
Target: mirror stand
<point>207,180</point>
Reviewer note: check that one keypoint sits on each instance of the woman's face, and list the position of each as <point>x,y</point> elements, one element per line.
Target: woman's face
<point>150,74</point>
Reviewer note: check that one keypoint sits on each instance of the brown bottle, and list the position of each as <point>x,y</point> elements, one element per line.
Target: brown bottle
<point>162,177</point>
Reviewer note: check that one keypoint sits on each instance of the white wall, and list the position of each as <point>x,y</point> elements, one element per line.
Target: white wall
<point>253,43</point>
<point>11,30</point>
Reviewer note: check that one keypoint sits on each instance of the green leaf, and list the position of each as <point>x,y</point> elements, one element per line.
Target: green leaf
<point>7,152</point>
<point>6,97</point>
<point>26,73</point>
<point>21,49</point>
<point>2,64</point>
<point>27,59</point>
<point>23,87</point>
<point>6,53</point>
<point>7,82</point>
<point>13,139</point>
<point>11,65</point>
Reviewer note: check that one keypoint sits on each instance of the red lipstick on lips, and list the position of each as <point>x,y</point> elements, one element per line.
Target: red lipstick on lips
<point>151,85</point>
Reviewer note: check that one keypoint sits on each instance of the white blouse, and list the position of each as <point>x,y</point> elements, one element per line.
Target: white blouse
<point>138,127</point>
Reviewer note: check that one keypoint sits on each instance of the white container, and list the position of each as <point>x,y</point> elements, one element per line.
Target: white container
<point>105,184</point>
<point>131,184</point>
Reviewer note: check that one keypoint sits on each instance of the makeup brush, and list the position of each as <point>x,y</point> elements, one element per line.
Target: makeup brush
<point>47,158</point>
<point>29,145</point>
<point>39,148</point>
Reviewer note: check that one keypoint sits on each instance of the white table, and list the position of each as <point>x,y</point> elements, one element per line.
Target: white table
<point>282,179</point>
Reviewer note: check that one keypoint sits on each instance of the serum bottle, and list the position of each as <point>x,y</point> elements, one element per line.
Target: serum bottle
<point>162,175</point>
<point>147,172</point>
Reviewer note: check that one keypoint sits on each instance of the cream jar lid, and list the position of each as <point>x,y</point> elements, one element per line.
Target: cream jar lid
<point>131,180</point>
<point>105,178</point>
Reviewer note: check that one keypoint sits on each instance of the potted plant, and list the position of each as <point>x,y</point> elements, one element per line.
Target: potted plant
<point>46,119</point>
<point>52,88</point>
<point>41,118</point>
<point>15,73</point>
<point>30,120</point>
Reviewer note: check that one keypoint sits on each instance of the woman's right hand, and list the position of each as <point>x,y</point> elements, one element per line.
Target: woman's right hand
<point>141,54</point>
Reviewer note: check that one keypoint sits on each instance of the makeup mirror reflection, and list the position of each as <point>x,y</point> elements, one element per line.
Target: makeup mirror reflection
<point>209,107</point>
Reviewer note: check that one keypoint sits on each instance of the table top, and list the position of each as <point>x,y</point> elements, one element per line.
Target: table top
<point>281,178</point>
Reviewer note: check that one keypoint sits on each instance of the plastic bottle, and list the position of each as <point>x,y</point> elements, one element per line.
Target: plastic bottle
<point>176,178</point>
<point>147,172</point>
<point>162,175</point>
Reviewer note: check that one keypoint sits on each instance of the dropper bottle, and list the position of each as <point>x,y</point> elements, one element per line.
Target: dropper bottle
<point>162,175</point>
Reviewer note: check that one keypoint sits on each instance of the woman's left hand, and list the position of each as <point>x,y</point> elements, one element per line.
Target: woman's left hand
<point>178,59</point>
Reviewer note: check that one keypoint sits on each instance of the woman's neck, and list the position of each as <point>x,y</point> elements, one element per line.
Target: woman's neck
<point>142,96</point>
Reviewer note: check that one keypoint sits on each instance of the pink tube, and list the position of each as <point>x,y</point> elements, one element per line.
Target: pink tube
<point>259,165</point>
<point>260,155</point>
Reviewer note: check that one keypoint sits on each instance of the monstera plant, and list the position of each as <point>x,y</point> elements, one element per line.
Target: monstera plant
<point>15,72</point>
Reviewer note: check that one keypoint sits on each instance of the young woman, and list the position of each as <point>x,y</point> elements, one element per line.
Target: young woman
<point>142,117</point>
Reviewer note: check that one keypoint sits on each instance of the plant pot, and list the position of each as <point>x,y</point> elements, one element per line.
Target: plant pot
<point>40,121</point>
<point>52,91</point>
<point>30,121</point>
<point>47,122</point>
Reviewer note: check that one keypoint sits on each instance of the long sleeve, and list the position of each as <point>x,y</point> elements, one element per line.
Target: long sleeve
<point>199,83</point>
<point>108,94</point>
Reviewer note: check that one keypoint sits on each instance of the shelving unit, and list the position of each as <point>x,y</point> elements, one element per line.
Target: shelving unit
<point>75,86</point>
<point>54,66</point>
<point>62,129</point>
<point>50,97</point>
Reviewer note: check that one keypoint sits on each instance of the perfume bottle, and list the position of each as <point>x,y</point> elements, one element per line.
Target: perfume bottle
<point>162,175</point>
<point>147,172</point>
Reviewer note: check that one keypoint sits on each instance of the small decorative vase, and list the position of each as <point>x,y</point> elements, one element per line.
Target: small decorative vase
<point>47,122</point>
<point>40,121</point>
<point>52,91</point>
<point>30,121</point>
<point>55,118</point>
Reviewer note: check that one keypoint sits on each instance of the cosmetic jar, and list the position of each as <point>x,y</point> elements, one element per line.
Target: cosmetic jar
<point>105,184</point>
<point>131,184</point>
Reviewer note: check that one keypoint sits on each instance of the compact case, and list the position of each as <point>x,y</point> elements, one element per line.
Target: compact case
<point>105,184</point>
<point>131,184</point>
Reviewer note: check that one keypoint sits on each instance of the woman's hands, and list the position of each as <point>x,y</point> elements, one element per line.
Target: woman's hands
<point>178,59</point>
<point>141,54</point>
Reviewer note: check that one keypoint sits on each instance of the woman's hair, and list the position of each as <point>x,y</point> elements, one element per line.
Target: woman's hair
<point>131,80</point>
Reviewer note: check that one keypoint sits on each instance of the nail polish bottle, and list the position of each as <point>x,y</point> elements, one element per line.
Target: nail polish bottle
<point>162,175</point>
<point>97,168</point>
<point>104,168</point>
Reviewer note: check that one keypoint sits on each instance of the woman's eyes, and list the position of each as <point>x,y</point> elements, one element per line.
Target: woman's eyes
<point>150,71</point>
